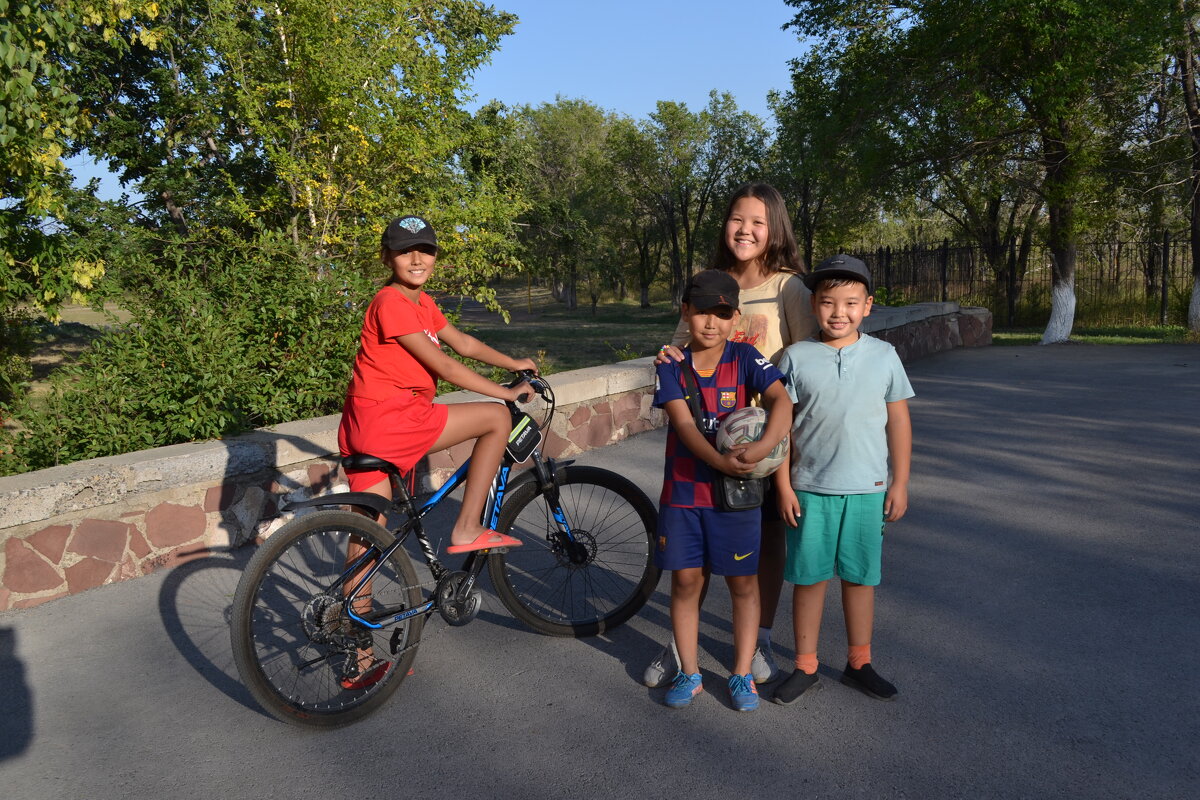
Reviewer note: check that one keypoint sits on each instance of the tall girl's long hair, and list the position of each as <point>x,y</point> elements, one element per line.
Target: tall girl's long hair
<point>782,254</point>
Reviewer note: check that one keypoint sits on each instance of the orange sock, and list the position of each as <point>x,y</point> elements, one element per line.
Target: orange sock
<point>807,663</point>
<point>859,654</point>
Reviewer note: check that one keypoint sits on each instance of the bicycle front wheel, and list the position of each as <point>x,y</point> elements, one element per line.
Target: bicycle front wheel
<point>296,647</point>
<point>594,582</point>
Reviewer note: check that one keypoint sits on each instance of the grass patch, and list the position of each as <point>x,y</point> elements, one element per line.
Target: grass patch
<point>563,340</point>
<point>1111,334</point>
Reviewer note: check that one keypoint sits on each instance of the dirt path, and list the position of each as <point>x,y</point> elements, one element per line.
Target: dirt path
<point>58,343</point>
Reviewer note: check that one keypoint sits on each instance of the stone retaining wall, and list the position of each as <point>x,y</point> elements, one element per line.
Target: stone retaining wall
<point>72,528</point>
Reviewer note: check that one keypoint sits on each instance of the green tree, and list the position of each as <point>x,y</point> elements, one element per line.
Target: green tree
<point>566,178</point>
<point>682,164</point>
<point>40,115</point>
<point>316,120</point>
<point>1009,70</point>
<point>829,168</point>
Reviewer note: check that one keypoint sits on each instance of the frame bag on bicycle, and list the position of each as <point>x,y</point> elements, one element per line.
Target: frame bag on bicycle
<point>525,437</point>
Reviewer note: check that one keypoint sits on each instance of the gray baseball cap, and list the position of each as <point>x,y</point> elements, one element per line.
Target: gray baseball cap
<point>840,266</point>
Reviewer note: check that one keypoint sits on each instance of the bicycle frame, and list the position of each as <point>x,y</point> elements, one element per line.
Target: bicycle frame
<point>543,472</point>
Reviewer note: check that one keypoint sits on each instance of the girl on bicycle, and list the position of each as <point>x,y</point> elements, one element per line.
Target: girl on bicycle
<point>757,247</point>
<point>389,411</point>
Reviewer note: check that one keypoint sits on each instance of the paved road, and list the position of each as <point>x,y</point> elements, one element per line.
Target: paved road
<point>1039,614</point>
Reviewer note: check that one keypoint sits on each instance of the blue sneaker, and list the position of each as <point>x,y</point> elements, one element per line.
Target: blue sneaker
<point>684,689</point>
<point>743,692</point>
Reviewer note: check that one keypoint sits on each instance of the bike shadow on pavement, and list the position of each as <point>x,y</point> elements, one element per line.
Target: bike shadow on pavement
<point>195,603</point>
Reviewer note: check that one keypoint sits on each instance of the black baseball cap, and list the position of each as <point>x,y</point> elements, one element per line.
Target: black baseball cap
<point>405,232</point>
<point>711,288</point>
<point>839,266</point>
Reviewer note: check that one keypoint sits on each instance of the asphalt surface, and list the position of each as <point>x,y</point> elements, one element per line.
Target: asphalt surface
<point>1039,614</point>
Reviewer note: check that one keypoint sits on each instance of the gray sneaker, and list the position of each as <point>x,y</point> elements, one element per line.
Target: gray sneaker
<point>762,665</point>
<point>663,669</point>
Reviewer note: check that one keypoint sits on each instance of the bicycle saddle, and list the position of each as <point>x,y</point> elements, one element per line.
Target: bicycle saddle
<point>364,461</point>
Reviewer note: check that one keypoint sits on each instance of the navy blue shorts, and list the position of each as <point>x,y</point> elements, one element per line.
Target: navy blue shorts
<point>725,541</point>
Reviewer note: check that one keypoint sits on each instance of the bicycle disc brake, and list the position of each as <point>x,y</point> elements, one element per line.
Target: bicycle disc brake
<point>456,606</point>
<point>577,553</point>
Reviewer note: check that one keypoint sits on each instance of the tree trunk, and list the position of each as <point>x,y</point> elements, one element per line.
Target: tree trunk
<point>645,295</point>
<point>572,289</point>
<point>1059,187</point>
<point>1187,76</point>
<point>174,212</point>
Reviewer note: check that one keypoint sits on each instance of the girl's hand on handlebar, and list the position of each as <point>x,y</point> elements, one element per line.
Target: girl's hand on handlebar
<point>525,365</point>
<point>520,393</point>
<point>668,353</point>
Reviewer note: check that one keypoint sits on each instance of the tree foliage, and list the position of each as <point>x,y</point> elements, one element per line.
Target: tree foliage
<point>318,120</point>
<point>993,85</point>
<point>227,336</point>
<point>40,116</point>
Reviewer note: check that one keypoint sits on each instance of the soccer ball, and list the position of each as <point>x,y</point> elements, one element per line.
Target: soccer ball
<point>747,425</point>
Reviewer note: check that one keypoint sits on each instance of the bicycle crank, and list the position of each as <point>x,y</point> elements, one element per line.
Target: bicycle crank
<point>458,598</point>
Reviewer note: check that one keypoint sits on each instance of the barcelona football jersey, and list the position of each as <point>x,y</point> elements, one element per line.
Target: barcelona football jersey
<point>741,372</point>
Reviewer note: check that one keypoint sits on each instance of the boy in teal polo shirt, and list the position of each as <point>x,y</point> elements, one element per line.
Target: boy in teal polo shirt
<point>850,419</point>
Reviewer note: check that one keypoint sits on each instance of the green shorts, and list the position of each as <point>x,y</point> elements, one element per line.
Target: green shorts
<point>839,534</point>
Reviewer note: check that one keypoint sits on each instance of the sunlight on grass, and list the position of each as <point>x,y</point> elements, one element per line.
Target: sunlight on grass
<point>1118,334</point>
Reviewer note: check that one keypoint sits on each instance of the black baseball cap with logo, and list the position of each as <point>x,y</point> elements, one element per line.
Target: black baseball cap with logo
<point>839,266</point>
<point>406,232</point>
<point>711,288</point>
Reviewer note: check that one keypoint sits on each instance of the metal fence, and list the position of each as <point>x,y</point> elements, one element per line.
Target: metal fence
<point>1116,283</point>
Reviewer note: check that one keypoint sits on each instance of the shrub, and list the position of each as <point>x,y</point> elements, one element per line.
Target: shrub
<point>225,336</point>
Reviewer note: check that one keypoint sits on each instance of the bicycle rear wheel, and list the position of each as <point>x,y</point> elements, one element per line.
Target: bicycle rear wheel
<point>293,641</point>
<point>588,587</point>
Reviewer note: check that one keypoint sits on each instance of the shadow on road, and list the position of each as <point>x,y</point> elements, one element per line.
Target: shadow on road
<point>194,604</point>
<point>16,722</point>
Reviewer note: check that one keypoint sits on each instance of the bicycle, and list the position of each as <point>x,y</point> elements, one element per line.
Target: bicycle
<point>304,609</point>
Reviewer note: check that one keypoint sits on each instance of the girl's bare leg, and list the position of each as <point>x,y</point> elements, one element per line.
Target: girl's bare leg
<point>489,425</point>
<point>354,550</point>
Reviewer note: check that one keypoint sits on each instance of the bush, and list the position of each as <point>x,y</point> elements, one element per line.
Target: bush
<point>16,344</point>
<point>225,336</point>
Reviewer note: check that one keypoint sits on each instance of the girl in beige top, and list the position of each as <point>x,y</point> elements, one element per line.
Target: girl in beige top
<point>756,245</point>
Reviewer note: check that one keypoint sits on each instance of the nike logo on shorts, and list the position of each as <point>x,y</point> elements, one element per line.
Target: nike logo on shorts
<point>736,557</point>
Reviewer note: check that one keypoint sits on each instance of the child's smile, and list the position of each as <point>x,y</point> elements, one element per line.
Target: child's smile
<point>746,231</point>
<point>710,328</point>
<point>412,268</point>
<point>839,311</point>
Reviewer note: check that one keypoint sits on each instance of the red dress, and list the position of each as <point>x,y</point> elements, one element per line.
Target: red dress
<point>389,410</point>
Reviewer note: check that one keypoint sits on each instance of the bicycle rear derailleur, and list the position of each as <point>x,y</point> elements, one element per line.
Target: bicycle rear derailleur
<point>458,598</point>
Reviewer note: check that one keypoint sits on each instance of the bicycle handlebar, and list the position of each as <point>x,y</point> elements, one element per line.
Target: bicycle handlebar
<point>536,382</point>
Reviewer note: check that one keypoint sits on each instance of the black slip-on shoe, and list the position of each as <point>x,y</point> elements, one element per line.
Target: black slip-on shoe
<point>868,681</point>
<point>795,685</point>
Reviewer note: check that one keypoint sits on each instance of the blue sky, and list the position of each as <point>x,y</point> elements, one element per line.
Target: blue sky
<point>625,56</point>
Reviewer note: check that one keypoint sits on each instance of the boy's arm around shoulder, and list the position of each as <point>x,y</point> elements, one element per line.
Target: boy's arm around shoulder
<point>899,440</point>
